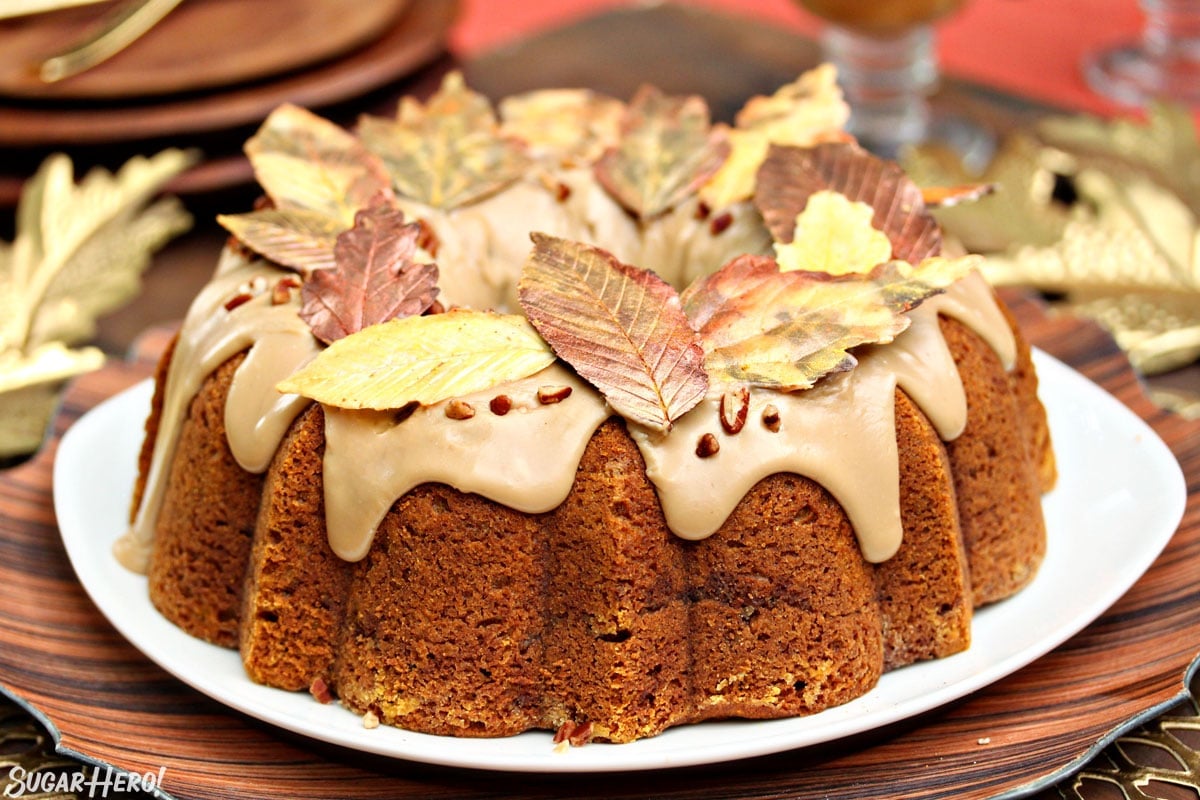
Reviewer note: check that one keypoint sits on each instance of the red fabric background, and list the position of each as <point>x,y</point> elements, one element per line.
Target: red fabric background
<point>1028,47</point>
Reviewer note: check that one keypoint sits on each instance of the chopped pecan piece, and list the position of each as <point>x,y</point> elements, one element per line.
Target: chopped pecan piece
<point>720,223</point>
<point>459,409</point>
<point>735,406</point>
<point>319,689</point>
<point>576,735</point>
<point>427,239</point>
<point>552,394</point>
<point>500,405</point>
<point>237,300</point>
<point>770,418</point>
<point>708,446</point>
<point>282,291</point>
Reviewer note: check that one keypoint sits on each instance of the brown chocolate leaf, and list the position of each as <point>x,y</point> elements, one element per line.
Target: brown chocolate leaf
<point>375,278</point>
<point>620,327</point>
<point>307,163</point>
<point>784,330</point>
<point>790,175</point>
<point>302,240</point>
<point>668,150</point>
<point>448,153</point>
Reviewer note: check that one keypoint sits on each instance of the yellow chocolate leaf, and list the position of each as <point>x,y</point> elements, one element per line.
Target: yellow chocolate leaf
<point>802,113</point>
<point>307,163</point>
<point>423,359</point>
<point>296,238</point>
<point>449,152</point>
<point>575,125</point>
<point>834,235</point>
<point>667,150</point>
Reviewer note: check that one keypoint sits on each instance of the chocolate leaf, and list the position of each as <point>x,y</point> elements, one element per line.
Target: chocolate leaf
<point>784,330</point>
<point>375,278</point>
<point>302,240</point>
<point>447,153</point>
<point>576,125</point>
<point>423,359</point>
<point>307,163</point>
<point>949,196</point>
<point>620,327</point>
<point>804,112</point>
<point>791,175</point>
<point>667,151</point>
<point>834,235</point>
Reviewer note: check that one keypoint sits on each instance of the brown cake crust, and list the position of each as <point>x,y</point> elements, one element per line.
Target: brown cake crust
<point>202,537</point>
<point>295,586</point>
<point>444,618</point>
<point>785,619</point>
<point>998,489</point>
<point>925,589</point>
<point>617,615</point>
<point>1024,381</point>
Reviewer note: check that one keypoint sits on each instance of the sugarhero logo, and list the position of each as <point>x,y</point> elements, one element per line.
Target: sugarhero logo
<point>23,782</point>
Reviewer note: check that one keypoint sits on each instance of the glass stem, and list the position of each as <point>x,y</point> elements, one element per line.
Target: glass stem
<point>887,81</point>
<point>1172,29</point>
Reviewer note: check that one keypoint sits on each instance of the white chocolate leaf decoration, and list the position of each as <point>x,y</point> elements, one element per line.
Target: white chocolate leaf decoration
<point>449,152</point>
<point>668,150</point>
<point>834,234</point>
<point>423,359</point>
<point>765,327</point>
<point>620,327</point>
<point>374,279</point>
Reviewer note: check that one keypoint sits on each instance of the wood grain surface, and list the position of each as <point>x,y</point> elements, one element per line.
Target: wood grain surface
<point>110,703</point>
<point>417,36</point>
<point>200,45</point>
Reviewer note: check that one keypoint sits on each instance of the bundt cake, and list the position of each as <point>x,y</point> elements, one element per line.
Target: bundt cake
<point>587,416</point>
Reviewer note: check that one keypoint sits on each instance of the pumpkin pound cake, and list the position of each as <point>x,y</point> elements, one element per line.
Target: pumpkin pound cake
<point>588,416</point>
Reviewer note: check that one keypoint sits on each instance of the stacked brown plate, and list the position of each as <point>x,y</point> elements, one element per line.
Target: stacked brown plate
<point>203,77</point>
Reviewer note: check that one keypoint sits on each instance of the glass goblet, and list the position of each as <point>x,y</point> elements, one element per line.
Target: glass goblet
<point>886,59</point>
<point>1163,64</point>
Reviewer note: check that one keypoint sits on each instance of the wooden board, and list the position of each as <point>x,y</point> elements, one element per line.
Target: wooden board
<point>416,37</point>
<point>202,44</point>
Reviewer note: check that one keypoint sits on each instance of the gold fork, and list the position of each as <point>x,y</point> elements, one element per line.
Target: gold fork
<point>127,24</point>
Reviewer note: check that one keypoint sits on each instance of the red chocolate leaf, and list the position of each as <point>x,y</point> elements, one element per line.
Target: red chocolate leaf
<point>790,175</point>
<point>619,326</point>
<point>375,279</point>
<point>668,150</point>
